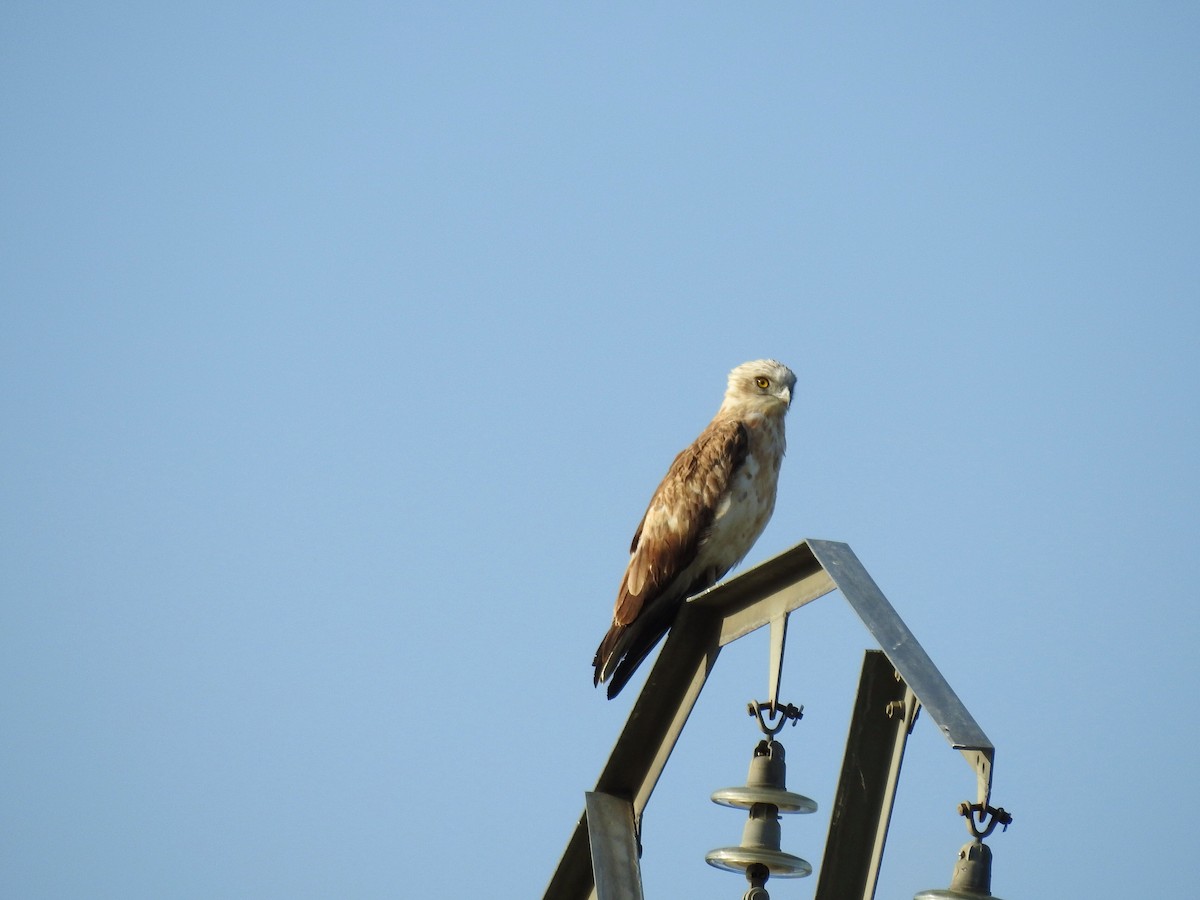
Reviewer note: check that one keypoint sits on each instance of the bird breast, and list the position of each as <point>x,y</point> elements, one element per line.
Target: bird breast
<point>746,506</point>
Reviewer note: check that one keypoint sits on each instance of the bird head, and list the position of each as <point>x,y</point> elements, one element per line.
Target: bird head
<point>763,386</point>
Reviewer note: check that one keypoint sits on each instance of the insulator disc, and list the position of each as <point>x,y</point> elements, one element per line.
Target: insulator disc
<point>738,859</point>
<point>745,797</point>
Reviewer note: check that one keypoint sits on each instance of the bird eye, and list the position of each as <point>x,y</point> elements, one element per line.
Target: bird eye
<point>762,382</point>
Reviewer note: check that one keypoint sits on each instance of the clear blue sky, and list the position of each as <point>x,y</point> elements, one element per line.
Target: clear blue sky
<point>342,345</point>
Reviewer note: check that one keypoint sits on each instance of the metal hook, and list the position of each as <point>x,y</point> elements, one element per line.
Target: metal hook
<point>786,714</point>
<point>992,815</point>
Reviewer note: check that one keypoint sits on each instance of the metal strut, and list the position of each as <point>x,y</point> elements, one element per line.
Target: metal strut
<point>778,639</point>
<point>772,707</point>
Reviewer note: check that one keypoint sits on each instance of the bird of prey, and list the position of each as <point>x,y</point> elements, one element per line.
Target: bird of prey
<point>705,516</point>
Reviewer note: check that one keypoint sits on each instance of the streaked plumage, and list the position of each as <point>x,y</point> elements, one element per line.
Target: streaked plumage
<point>704,517</point>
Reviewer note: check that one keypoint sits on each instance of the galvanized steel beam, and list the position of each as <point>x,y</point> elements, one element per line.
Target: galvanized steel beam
<point>614,847</point>
<point>910,660</point>
<point>884,710</point>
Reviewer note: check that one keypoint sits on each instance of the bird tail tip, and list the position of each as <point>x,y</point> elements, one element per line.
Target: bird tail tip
<point>607,657</point>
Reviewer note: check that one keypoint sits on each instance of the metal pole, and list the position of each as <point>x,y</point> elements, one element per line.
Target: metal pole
<point>884,711</point>
<point>614,847</point>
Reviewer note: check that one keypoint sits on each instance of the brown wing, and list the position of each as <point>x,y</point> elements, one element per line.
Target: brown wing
<point>680,511</point>
<point>664,545</point>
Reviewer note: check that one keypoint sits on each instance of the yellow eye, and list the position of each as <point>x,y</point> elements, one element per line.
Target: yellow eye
<point>762,382</point>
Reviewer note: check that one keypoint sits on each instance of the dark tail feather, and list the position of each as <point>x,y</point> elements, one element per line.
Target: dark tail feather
<point>634,656</point>
<point>626,646</point>
<point>605,653</point>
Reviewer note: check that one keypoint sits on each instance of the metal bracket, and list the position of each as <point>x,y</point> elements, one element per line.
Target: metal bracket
<point>778,639</point>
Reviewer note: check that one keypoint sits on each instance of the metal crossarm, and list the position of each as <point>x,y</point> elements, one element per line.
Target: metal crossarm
<point>725,612</point>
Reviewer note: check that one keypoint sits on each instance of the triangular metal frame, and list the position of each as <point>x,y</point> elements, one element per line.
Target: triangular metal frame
<point>759,596</point>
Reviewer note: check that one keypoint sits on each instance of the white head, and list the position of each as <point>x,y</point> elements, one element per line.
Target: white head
<point>763,386</point>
